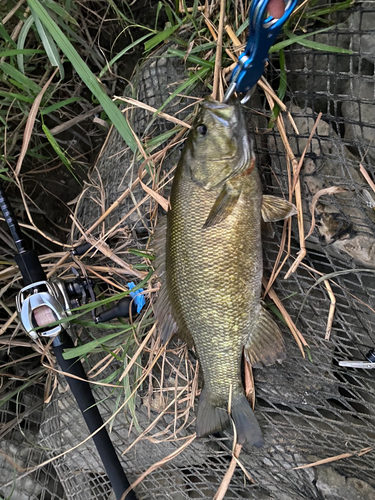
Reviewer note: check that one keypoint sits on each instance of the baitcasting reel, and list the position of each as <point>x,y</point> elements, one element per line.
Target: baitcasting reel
<point>51,301</point>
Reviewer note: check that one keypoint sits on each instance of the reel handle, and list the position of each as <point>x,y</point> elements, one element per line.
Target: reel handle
<point>120,310</point>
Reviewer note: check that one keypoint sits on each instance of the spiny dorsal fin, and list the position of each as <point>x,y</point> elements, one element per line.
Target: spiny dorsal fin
<point>265,344</point>
<point>274,208</point>
<point>223,206</point>
<point>159,239</point>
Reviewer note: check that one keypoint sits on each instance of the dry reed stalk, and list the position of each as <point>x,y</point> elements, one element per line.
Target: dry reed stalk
<point>102,364</point>
<point>249,384</point>
<point>107,252</point>
<point>153,423</point>
<point>138,352</point>
<point>142,105</point>
<point>358,453</point>
<point>217,91</point>
<point>367,177</point>
<point>238,46</point>
<point>331,309</point>
<point>300,163</point>
<point>12,12</point>
<point>74,121</point>
<point>299,338</point>
<point>181,8</point>
<point>30,124</point>
<point>220,494</point>
<point>8,323</point>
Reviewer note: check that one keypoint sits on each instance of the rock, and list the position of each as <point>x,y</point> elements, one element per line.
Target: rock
<point>361,23</point>
<point>359,114</point>
<point>333,486</point>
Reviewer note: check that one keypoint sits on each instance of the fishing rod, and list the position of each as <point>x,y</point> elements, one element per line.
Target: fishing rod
<point>43,301</point>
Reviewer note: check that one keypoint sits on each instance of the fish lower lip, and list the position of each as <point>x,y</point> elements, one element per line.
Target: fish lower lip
<point>224,158</point>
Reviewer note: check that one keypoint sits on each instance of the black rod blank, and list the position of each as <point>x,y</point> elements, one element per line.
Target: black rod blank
<point>87,404</point>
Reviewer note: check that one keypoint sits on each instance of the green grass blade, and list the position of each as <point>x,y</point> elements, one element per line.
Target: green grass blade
<point>24,82</point>
<point>21,41</point>
<point>323,47</point>
<point>62,13</point>
<point>190,82</point>
<point>296,39</point>
<point>24,52</point>
<point>59,151</point>
<point>160,37</point>
<point>18,97</point>
<point>158,140</point>
<point>280,91</point>
<point>193,59</point>
<point>5,35</point>
<point>120,54</point>
<point>50,46</point>
<point>328,10</point>
<point>58,105</point>
<point>84,72</point>
<point>83,350</point>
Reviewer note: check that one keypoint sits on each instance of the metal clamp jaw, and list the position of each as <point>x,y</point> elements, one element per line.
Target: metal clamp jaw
<point>51,294</point>
<point>263,32</point>
<point>367,365</point>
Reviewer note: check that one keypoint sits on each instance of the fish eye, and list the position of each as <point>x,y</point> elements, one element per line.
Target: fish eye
<point>202,129</point>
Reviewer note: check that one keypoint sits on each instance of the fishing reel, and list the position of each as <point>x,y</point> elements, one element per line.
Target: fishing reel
<point>44,307</point>
<point>51,301</point>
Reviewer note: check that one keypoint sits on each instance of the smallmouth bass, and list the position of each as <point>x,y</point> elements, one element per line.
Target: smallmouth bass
<point>209,258</point>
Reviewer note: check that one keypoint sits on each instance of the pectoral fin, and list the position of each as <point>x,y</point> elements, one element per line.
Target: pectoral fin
<point>265,344</point>
<point>267,229</point>
<point>223,206</point>
<point>274,208</point>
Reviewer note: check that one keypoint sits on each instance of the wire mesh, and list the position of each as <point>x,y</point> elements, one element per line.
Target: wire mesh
<point>309,409</point>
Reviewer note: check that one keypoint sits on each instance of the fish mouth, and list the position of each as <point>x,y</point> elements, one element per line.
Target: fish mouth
<point>210,103</point>
<point>221,111</point>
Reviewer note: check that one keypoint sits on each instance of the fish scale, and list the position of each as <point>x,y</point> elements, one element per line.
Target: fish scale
<point>214,276</point>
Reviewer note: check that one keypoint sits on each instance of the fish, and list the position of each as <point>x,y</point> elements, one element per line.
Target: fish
<point>209,259</point>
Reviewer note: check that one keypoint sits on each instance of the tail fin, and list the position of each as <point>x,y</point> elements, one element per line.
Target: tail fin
<point>211,419</point>
<point>247,426</point>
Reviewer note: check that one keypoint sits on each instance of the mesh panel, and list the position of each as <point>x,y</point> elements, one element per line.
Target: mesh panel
<point>20,449</point>
<point>309,409</point>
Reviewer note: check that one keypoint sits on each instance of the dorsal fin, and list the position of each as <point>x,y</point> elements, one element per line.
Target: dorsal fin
<point>162,308</point>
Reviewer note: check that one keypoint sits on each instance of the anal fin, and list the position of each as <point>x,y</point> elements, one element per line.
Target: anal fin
<point>274,208</point>
<point>265,344</point>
